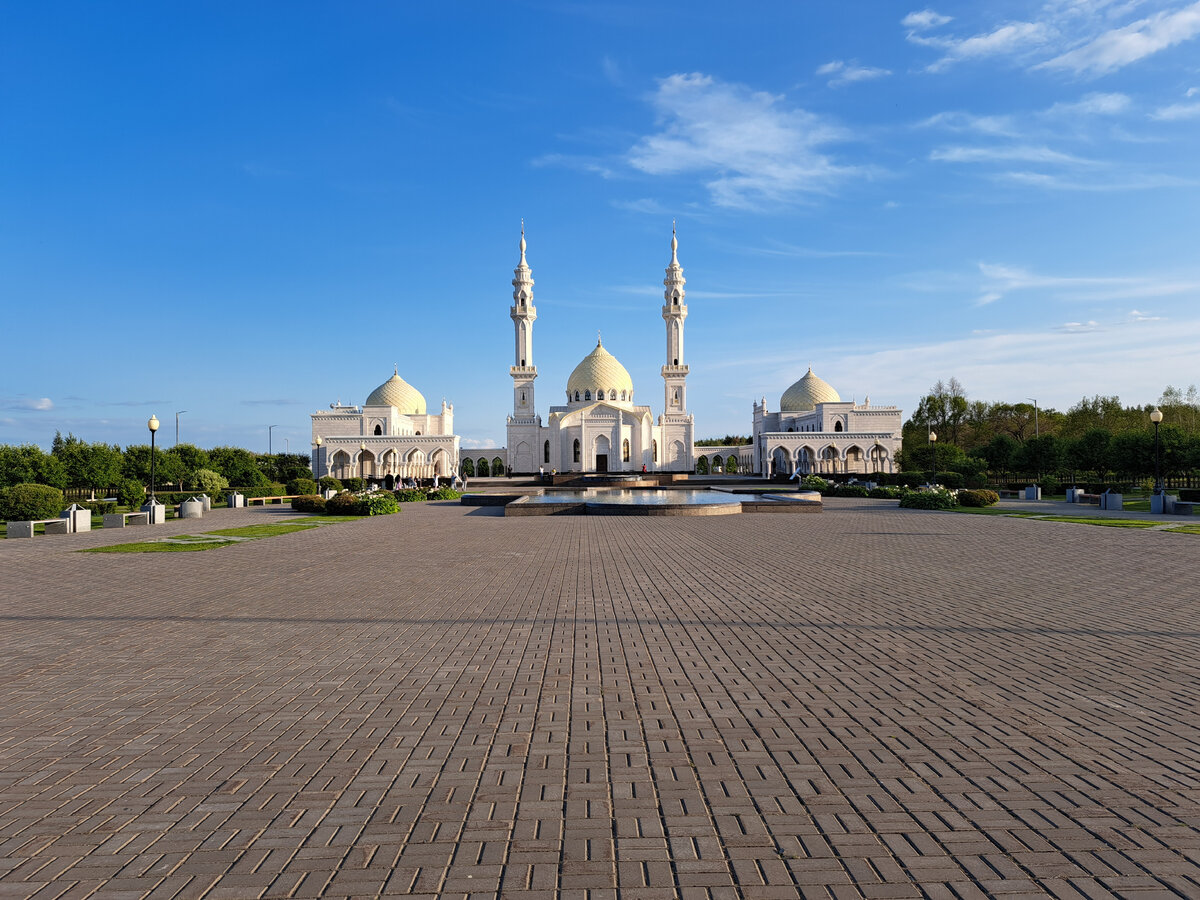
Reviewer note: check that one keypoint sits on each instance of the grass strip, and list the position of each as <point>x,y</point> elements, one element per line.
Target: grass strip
<point>222,537</point>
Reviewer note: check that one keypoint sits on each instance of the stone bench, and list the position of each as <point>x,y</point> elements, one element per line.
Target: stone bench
<point>124,520</point>
<point>1185,507</point>
<point>1009,495</point>
<point>26,529</point>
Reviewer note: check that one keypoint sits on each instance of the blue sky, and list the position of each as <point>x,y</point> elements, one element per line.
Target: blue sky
<point>249,211</point>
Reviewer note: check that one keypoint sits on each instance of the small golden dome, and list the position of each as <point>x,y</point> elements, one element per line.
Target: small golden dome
<point>805,394</point>
<point>398,393</point>
<point>600,371</point>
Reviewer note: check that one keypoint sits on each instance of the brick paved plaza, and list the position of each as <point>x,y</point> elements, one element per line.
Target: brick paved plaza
<point>870,702</point>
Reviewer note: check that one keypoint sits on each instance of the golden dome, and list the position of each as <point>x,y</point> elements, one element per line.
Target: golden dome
<point>805,394</point>
<point>398,393</point>
<point>600,371</point>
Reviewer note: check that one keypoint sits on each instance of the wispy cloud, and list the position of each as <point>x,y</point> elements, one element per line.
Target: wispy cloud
<point>592,164</point>
<point>1087,38</point>
<point>1177,111</point>
<point>1014,153</point>
<point>1102,182</point>
<point>284,401</point>
<point>754,149</point>
<point>1119,47</point>
<point>957,120</point>
<point>1000,280</point>
<point>1093,104</point>
<point>796,252</point>
<point>841,72</point>
<point>34,404</point>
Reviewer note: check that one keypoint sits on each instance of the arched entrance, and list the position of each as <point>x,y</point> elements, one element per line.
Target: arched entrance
<point>602,450</point>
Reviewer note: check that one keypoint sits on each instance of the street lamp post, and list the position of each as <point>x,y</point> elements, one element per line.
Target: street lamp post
<point>270,445</point>
<point>933,450</point>
<point>317,458</point>
<point>1156,417</point>
<point>152,424</point>
<point>1036,431</point>
<point>362,467</point>
<point>177,415</point>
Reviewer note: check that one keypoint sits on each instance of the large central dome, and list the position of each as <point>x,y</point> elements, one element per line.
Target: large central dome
<point>600,372</point>
<point>398,393</point>
<point>805,394</point>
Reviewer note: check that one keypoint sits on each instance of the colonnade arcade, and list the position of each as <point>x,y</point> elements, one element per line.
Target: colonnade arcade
<point>829,459</point>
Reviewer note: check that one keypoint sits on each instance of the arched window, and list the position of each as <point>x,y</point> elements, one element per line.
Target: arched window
<point>577,395</point>
<point>418,434</point>
<point>622,395</point>
<point>654,449</point>
<point>625,450</point>
<point>587,395</point>
<point>379,429</point>
<point>575,451</point>
<point>546,452</point>
<point>837,426</point>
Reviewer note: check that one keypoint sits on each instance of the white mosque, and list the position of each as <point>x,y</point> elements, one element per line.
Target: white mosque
<point>391,436</point>
<point>600,428</point>
<point>817,432</point>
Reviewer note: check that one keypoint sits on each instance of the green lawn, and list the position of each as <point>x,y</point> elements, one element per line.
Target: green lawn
<point>1185,529</point>
<point>223,537</point>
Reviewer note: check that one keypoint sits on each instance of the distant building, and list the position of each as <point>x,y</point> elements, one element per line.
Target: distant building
<point>390,436</point>
<point>817,432</point>
<point>599,428</point>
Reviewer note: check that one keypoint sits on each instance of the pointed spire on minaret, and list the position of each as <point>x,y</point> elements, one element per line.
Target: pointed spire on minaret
<point>523,242</point>
<point>598,341</point>
<point>674,245</point>
<point>674,281</point>
<point>523,278</point>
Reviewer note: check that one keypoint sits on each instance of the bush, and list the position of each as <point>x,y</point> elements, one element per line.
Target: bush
<point>302,486</point>
<point>410,495</point>
<point>352,484</point>
<point>131,493</point>
<point>99,507</point>
<point>951,480</point>
<point>381,503</point>
<point>884,493</point>
<point>208,482</point>
<point>910,479</point>
<point>345,504</point>
<point>976,480</point>
<point>850,490</point>
<point>329,483</point>
<point>814,483</point>
<point>312,503</point>
<point>977,498</point>
<point>23,502</point>
<point>938,499</point>
<point>445,493</point>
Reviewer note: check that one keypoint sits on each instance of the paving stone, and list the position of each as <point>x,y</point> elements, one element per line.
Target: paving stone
<point>873,702</point>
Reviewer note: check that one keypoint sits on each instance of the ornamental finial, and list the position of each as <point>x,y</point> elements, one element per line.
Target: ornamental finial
<point>674,245</point>
<point>522,241</point>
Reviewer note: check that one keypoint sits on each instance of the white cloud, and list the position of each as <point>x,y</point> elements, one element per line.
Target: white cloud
<point>1094,104</point>
<point>1111,181</point>
<point>954,120</point>
<point>1014,153</point>
<point>1119,47</point>
<point>1177,112</point>
<point>841,72</point>
<point>36,404</point>
<point>1005,40</point>
<point>755,149</point>
<point>924,20</point>
<point>1000,280</point>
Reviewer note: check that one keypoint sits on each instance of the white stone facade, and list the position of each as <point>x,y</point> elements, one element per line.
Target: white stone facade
<point>599,428</point>
<point>816,432</point>
<point>391,436</point>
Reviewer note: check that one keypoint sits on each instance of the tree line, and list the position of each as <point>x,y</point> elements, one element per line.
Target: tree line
<point>75,464</point>
<point>1096,439</point>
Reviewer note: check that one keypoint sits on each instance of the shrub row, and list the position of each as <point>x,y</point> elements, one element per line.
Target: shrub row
<point>938,499</point>
<point>347,503</point>
<point>23,502</point>
<point>977,498</point>
<point>312,503</point>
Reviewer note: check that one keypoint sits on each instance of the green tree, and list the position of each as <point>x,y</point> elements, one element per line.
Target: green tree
<point>1000,453</point>
<point>168,469</point>
<point>944,409</point>
<point>239,466</point>
<point>28,464</point>
<point>467,467</point>
<point>1089,452</point>
<point>191,458</point>
<point>1041,455</point>
<point>1131,454</point>
<point>701,465</point>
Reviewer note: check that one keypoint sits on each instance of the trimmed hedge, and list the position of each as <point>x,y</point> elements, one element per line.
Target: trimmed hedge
<point>312,503</point>
<point>23,502</point>
<point>977,498</point>
<point>329,483</point>
<point>884,493</point>
<point>345,504</point>
<point>938,499</point>
<point>131,493</point>
<point>352,484</point>
<point>304,486</point>
<point>850,490</point>
<point>410,495</point>
<point>445,493</point>
<point>99,507</point>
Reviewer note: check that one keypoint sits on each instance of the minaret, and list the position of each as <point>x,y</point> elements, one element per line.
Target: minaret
<point>674,311</point>
<point>523,313</point>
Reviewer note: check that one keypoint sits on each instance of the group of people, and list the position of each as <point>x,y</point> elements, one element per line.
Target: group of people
<point>456,482</point>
